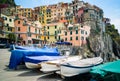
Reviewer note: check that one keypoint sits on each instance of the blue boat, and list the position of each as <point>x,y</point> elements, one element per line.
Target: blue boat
<point>17,56</point>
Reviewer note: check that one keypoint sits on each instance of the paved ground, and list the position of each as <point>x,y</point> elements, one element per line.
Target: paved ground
<point>24,74</point>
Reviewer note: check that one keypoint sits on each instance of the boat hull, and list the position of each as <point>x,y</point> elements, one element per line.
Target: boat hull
<point>49,67</point>
<point>79,67</point>
<point>72,71</point>
<point>52,66</point>
<point>32,65</point>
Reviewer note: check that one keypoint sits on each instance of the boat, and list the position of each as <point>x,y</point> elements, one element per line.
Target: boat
<point>109,71</point>
<point>19,56</point>
<point>74,68</point>
<point>31,62</point>
<point>52,66</point>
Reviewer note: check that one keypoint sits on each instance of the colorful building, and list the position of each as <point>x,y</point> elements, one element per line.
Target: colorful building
<point>76,34</point>
<point>1,27</point>
<point>42,15</point>
<point>52,31</point>
<point>9,26</point>
<point>27,31</point>
<point>26,12</point>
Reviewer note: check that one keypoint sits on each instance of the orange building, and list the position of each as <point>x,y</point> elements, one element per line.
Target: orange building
<point>27,31</point>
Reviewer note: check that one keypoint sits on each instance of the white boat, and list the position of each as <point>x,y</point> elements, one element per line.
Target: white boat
<point>78,67</point>
<point>32,62</point>
<point>32,65</point>
<point>51,66</point>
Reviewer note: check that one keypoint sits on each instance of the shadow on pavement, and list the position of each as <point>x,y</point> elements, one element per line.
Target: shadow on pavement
<point>34,72</point>
<point>56,77</point>
<point>50,77</point>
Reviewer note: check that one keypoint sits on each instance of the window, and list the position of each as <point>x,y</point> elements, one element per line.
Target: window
<point>29,34</point>
<point>82,38</point>
<point>65,39</point>
<point>70,38</point>
<point>10,20</point>
<point>70,32</point>
<point>18,28</point>
<point>48,33</point>
<point>55,26</point>
<point>86,32</point>
<point>29,41</point>
<point>7,25</point>
<point>65,33</point>
<point>18,22</point>
<point>76,31</point>
<point>58,37</point>
<point>5,18</point>
<point>48,37</point>
<point>76,37</point>
<point>55,37</point>
<point>55,33</point>
<point>82,31</point>
<point>9,29</point>
<point>70,28</point>
<point>29,29</point>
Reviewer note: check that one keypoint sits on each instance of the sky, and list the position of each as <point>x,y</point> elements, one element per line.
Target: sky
<point>111,8</point>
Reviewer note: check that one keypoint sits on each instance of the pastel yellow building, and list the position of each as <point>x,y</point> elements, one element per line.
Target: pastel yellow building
<point>52,31</point>
<point>8,24</point>
<point>26,12</point>
<point>43,15</point>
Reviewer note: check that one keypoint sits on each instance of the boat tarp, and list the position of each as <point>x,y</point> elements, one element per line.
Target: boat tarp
<point>63,43</point>
<point>17,56</point>
<point>107,70</point>
<point>20,47</point>
<point>38,59</point>
<point>23,47</point>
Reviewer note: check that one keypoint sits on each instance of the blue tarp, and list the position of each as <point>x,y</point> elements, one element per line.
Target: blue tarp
<point>23,47</point>
<point>107,72</point>
<point>113,67</point>
<point>12,47</point>
<point>38,59</point>
<point>17,56</point>
<point>63,43</point>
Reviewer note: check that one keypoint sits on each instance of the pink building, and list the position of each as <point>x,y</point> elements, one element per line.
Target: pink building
<point>27,31</point>
<point>20,30</point>
<point>76,34</point>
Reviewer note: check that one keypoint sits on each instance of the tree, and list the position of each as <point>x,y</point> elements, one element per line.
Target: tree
<point>8,2</point>
<point>11,36</point>
<point>113,33</point>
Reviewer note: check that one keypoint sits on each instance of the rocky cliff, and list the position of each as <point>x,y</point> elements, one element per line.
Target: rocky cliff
<point>100,44</point>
